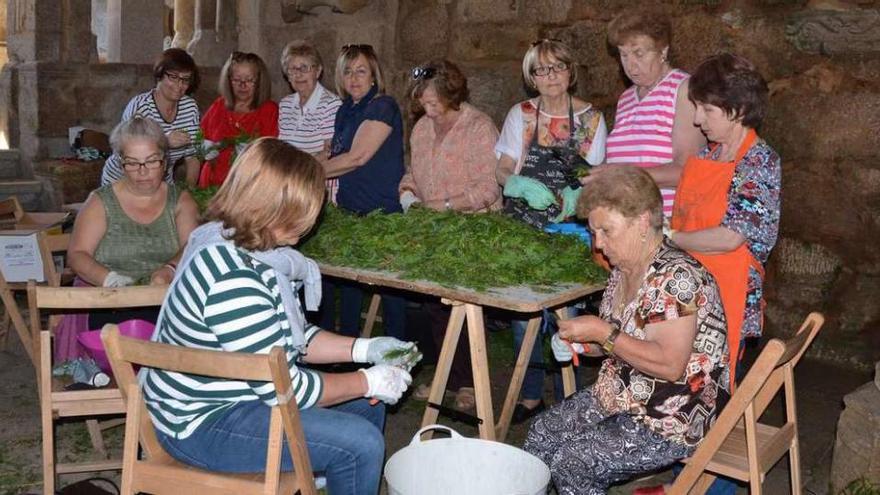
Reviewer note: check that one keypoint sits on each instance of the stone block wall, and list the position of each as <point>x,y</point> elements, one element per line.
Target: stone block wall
<point>821,57</point>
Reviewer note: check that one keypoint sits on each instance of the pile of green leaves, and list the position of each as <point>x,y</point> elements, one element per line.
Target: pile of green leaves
<point>452,249</point>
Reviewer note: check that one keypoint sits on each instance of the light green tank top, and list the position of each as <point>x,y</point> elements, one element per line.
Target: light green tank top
<point>135,249</point>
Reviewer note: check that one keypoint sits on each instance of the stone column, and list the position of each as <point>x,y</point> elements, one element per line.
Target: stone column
<point>134,31</point>
<point>184,22</point>
<point>214,38</point>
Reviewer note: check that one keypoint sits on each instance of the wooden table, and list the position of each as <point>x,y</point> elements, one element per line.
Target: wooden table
<point>467,305</point>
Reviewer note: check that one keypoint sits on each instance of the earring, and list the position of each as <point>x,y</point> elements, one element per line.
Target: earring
<point>644,237</point>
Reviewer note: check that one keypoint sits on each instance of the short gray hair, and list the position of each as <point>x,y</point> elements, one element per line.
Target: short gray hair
<point>138,127</point>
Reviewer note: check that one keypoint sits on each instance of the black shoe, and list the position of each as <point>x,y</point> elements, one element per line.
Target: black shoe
<point>522,413</point>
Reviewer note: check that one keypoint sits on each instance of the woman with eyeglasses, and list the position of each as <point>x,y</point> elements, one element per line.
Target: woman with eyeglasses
<point>306,116</point>
<point>171,105</point>
<point>543,143</point>
<point>131,232</point>
<point>452,167</point>
<point>242,113</point>
<point>366,154</point>
<point>654,123</point>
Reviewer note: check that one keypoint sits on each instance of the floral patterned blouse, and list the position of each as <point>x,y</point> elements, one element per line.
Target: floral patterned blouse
<point>675,286</point>
<point>753,209</point>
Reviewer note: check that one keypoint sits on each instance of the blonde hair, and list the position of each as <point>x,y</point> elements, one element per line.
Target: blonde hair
<point>271,185</point>
<point>263,90</point>
<point>348,55</point>
<point>544,49</point>
<point>628,190</point>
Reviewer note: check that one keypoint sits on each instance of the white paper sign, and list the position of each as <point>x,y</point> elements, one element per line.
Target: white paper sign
<point>20,258</point>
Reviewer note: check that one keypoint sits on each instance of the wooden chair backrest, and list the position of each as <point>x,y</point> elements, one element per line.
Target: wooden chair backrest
<point>772,370</point>
<point>124,353</point>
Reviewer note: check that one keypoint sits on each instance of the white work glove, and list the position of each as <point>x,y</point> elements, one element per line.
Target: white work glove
<point>114,279</point>
<point>561,349</point>
<point>386,383</point>
<point>407,199</point>
<point>386,350</point>
<point>209,148</point>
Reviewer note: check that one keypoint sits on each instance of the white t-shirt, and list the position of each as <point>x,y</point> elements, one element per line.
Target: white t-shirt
<point>590,132</point>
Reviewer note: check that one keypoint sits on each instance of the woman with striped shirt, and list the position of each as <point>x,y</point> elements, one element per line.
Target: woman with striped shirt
<point>234,292</point>
<point>306,116</point>
<point>172,107</point>
<point>654,124</point>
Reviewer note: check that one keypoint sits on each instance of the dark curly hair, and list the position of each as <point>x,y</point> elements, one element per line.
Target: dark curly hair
<point>446,78</point>
<point>731,83</point>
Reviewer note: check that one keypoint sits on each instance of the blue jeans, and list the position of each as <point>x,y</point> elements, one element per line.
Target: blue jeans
<point>345,442</point>
<point>351,299</point>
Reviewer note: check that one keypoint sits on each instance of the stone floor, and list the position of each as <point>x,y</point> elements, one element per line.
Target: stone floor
<point>820,388</point>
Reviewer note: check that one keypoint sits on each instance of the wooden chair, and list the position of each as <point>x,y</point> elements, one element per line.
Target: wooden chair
<point>738,445</point>
<point>159,473</point>
<point>55,401</point>
<point>48,245</point>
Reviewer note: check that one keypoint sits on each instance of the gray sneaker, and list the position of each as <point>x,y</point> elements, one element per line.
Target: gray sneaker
<point>86,370</point>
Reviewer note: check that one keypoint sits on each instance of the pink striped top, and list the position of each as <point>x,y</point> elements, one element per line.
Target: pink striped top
<point>642,131</point>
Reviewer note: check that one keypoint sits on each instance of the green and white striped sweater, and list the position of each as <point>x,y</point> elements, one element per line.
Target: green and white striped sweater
<point>224,300</point>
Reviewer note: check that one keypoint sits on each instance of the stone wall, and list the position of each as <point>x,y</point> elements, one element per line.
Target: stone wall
<point>822,58</point>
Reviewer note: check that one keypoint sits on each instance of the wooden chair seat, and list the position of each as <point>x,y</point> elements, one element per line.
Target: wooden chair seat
<point>57,402</point>
<point>156,471</point>
<point>738,445</point>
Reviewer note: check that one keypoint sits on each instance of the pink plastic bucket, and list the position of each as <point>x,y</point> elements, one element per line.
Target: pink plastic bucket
<point>91,340</point>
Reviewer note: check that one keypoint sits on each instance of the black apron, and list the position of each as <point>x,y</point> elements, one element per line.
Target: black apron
<point>552,166</point>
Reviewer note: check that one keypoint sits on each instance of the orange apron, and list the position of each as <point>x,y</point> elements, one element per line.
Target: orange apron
<point>701,202</point>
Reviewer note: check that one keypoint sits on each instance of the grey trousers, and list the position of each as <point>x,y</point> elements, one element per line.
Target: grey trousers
<point>588,450</point>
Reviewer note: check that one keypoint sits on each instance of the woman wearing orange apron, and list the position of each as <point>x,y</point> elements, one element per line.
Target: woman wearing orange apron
<point>726,211</point>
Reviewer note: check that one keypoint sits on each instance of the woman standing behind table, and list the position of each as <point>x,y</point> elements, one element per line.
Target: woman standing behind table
<point>654,124</point>
<point>452,168</point>
<point>543,140</point>
<point>367,156</point>
<point>306,116</point>
<point>727,205</point>
<point>242,112</point>
<point>172,107</point>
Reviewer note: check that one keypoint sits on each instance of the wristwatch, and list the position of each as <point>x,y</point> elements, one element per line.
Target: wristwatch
<point>608,345</point>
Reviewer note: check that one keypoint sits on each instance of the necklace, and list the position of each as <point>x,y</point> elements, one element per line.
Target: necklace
<point>629,287</point>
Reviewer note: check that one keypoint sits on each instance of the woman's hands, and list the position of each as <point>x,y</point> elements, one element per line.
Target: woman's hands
<point>386,351</point>
<point>163,276</point>
<point>386,383</point>
<point>587,328</point>
<point>178,139</point>
<point>535,193</point>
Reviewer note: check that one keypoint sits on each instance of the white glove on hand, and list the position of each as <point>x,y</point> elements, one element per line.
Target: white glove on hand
<point>408,199</point>
<point>209,148</point>
<point>114,279</point>
<point>561,349</point>
<point>386,383</point>
<point>386,350</point>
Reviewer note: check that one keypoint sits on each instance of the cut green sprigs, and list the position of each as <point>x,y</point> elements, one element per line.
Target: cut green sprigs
<point>452,249</point>
<point>201,195</point>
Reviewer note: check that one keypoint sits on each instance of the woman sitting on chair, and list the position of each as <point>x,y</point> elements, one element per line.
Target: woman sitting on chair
<point>662,326</point>
<point>235,292</point>
<point>130,232</point>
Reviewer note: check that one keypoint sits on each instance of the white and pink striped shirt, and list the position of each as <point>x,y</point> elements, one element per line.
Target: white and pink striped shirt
<point>642,131</point>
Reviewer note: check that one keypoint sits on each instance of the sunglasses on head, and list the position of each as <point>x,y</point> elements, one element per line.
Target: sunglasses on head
<point>244,57</point>
<point>423,73</point>
<point>358,47</point>
<point>546,40</point>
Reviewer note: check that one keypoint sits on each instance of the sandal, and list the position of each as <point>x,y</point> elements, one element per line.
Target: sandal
<point>465,399</point>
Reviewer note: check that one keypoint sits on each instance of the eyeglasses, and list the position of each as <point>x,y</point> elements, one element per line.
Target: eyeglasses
<point>359,72</point>
<point>545,70</point>
<point>300,69</point>
<point>546,40</point>
<point>135,166</point>
<point>176,78</point>
<point>243,82</point>
<point>422,73</point>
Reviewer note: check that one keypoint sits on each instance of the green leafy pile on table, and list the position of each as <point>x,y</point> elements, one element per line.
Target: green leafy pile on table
<point>453,249</point>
